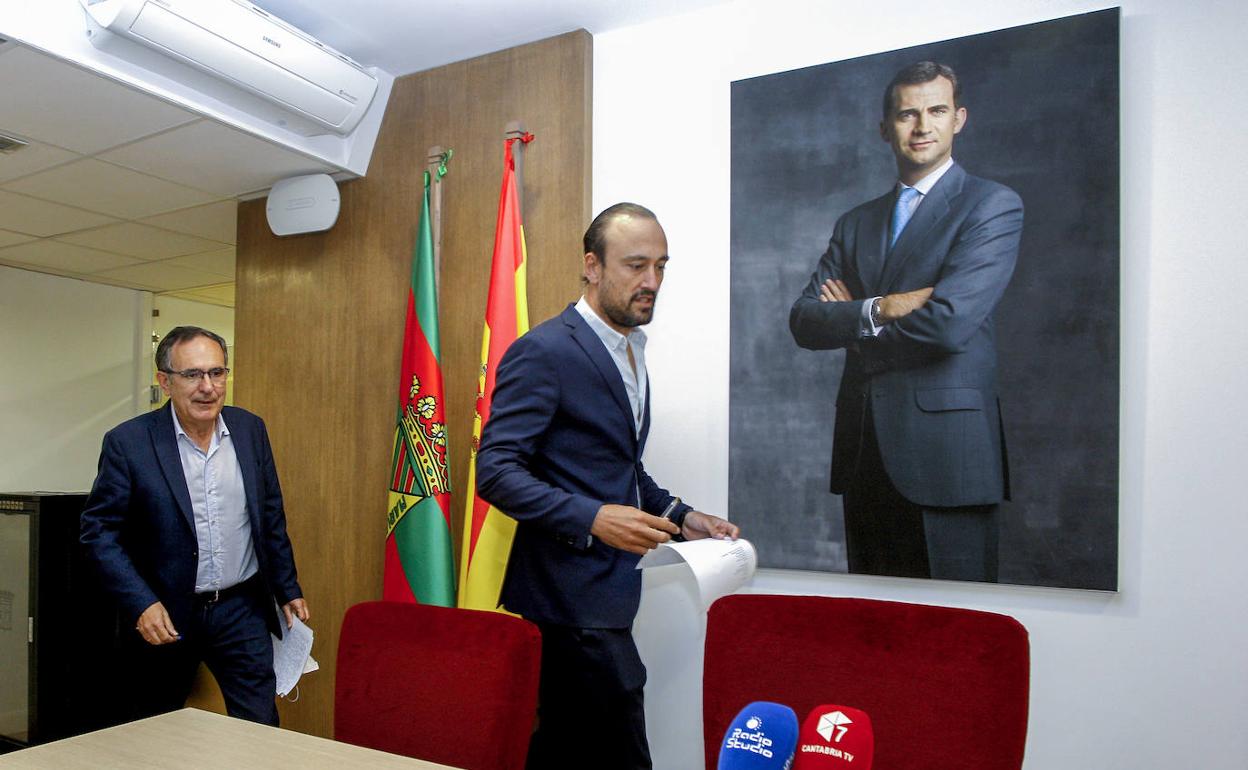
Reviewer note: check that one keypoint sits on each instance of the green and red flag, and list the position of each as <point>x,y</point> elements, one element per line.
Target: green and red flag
<point>488,532</point>
<point>419,562</point>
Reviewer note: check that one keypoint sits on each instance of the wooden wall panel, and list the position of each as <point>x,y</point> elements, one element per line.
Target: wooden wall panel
<point>319,320</point>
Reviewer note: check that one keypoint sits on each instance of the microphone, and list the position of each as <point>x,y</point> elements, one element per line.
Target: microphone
<point>837,737</point>
<point>762,737</point>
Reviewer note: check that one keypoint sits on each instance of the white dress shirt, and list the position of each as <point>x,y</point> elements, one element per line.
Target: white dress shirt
<point>635,383</point>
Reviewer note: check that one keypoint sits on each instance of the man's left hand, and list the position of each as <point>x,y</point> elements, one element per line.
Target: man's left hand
<point>834,290</point>
<point>699,525</point>
<point>295,608</point>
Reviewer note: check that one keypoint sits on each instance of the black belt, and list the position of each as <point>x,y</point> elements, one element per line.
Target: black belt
<point>221,594</point>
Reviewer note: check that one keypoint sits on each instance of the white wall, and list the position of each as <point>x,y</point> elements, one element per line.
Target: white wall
<point>174,311</point>
<point>72,365</point>
<point>1155,676</point>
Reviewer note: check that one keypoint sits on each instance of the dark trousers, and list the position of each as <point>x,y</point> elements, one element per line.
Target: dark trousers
<point>590,711</point>
<point>232,638</point>
<point>886,534</point>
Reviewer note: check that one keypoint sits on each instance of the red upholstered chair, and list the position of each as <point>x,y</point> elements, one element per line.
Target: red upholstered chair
<point>457,687</point>
<point>945,688</point>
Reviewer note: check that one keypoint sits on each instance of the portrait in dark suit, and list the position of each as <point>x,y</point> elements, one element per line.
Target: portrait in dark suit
<point>186,529</point>
<point>908,287</point>
<point>561,454</point>
<point>947,406</point>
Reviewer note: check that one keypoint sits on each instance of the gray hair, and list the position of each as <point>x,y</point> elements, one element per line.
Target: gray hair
<point>180,334</point>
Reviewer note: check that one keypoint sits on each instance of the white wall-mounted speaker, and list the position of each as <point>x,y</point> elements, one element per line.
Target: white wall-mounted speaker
<point>303,204</point>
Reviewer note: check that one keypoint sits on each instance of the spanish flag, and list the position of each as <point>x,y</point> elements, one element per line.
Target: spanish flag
<point>487,531</point>
<point>419,564</point>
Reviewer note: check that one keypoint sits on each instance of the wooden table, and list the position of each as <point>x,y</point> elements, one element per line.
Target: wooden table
<point>191,739</point>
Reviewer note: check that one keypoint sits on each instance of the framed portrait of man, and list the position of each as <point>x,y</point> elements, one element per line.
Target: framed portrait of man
<point>925,309</point>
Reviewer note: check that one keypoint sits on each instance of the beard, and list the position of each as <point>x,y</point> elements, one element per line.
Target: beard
<point>624,314</point>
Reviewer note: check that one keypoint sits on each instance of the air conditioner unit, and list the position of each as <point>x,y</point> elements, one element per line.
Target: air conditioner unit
<point>245,47</point>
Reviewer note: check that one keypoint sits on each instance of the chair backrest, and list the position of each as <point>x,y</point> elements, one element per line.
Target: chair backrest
<point>457,687</point>
<point>944,687</point>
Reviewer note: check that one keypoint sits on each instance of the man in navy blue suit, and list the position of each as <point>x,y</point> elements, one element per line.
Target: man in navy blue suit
<point>908,287</point>
<point>561,454</point>
<point>186,528</point>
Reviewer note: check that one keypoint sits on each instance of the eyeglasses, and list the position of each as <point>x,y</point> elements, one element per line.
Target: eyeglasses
<point>215,375</point>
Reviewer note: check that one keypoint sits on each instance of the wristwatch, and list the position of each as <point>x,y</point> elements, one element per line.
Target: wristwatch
<point>875,312</point>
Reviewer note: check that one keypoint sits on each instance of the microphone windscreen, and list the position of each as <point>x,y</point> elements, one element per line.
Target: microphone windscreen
<point>837,737</point>
<point>762,737</point>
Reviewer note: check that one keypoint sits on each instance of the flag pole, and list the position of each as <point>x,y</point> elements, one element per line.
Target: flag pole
<point>435,164</point>
<point>515,130</point>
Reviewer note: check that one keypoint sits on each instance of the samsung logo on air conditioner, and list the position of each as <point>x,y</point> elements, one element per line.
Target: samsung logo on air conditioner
<point>270,41</point>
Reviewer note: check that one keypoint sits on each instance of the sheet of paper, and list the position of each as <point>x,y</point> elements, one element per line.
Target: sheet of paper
<point>292,656</point>
<point>719,567</point>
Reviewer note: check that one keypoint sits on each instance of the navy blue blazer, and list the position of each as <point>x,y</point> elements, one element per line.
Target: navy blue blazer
<point>138,527</point>
<point>559,443</point>
<point>930,376</point>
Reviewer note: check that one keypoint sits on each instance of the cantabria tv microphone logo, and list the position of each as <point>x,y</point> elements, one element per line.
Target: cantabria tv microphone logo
<point>836,737</point>
<point>833,726</point>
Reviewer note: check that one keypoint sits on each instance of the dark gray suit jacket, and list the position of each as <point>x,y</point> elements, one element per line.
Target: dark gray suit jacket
<point>930,377</point>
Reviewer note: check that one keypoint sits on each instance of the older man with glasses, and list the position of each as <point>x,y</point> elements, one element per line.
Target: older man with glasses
<point>186,527</point>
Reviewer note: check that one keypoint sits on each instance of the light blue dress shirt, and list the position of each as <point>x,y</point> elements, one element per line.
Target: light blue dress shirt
<point>215,482</point>
<point>924,186</point>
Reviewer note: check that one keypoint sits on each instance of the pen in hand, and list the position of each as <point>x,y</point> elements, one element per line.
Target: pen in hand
<point>670,511</point>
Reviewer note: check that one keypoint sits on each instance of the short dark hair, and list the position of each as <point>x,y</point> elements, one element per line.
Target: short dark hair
<point>921,72</point>
<point>180,334</point>
<point>595,239</point>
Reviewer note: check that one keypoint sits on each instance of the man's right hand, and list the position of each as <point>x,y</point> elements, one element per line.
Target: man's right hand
<point>155,626</point>
<point>631,529</point>
<point>894,306</point>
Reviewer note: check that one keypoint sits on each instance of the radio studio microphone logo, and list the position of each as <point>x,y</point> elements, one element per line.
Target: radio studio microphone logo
<point>752,738</point>
<point>762,737</point>
<point>836,737</point>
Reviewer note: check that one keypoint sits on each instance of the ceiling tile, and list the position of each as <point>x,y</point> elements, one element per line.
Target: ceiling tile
<point>161,275</point>
<point>44,270</point>
<point>76,109</point>
<point>136,240</point>
<point>8,238</point>
<point>98,186</point>
<point>214,157</point>
<point>219,262</point>
<point>31,158</point>
<point>215,221</point>
<point>222,294</point>
<point>98,278</point>
<point>42,218</point>
<point>63,256</point>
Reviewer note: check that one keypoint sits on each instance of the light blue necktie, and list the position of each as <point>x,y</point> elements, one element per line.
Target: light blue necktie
<point>901,213</point>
